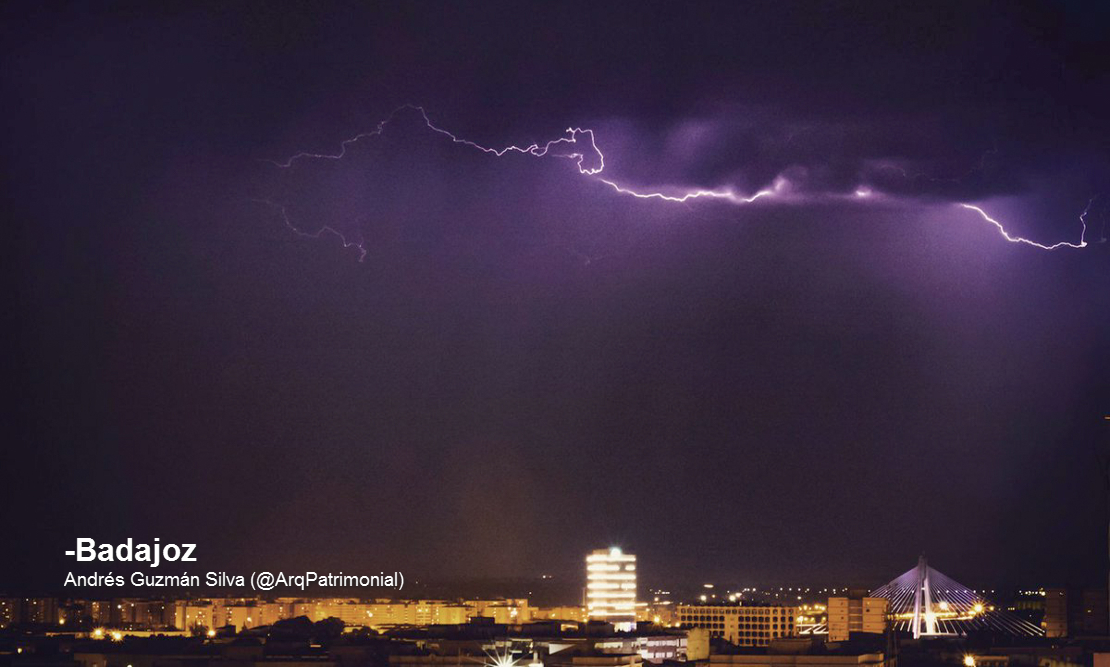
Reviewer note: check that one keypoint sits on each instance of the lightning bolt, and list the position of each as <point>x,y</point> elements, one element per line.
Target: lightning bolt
<point>535,149</point>
<point>580,145</point>
<point>727,195</point>
<point>1017,239</point>
<point>326,230</point>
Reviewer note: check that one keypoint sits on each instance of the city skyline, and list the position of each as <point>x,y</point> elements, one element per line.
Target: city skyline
<point>921,616</point>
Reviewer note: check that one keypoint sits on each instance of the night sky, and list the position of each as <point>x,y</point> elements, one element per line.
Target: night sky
<point>527,365</point>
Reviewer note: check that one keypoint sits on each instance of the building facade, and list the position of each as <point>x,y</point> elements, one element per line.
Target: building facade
<point>567,613</point>
<point>29,611</point>
<point>1076,612</point>
<point>764,660</point>
<point>611,588</point>
<point>856,614</point>
<point>741,624</point>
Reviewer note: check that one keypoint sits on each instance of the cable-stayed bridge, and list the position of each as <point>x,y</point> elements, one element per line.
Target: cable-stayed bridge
<point>930,604</point>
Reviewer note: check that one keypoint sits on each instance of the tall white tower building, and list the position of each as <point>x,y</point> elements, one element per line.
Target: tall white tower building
<point>611,587</point>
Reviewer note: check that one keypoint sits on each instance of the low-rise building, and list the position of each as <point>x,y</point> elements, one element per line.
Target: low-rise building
<point>856,613</point>
<point>740,624</point>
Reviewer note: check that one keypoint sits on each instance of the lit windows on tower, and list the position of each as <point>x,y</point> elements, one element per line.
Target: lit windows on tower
<point>611,587</point>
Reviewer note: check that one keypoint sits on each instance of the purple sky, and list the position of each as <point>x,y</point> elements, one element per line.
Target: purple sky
<point>527,365</point>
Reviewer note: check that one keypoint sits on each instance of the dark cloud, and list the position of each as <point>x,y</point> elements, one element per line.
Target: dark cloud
<point>379,183</point>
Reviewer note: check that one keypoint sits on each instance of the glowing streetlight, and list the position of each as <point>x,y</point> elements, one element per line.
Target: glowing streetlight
<point>498,659</point>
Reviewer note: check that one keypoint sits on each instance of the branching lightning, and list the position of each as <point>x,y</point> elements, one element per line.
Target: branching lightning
<point>536,149</point>
<point>580,146</point>
<point>1017,239</point>
<point>326,230</point>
